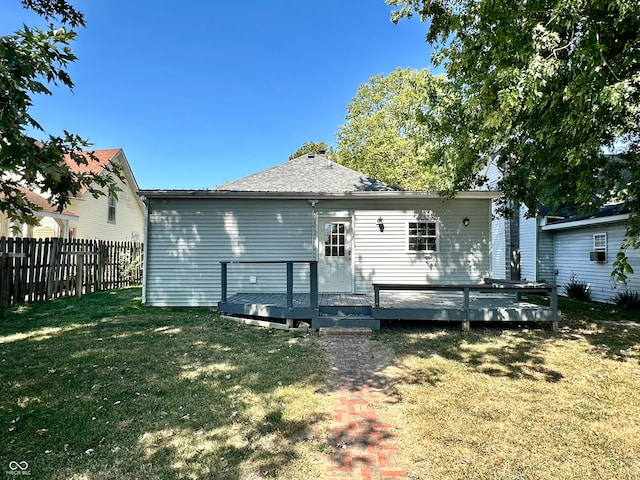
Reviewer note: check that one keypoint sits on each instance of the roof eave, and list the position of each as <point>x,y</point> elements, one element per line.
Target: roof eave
<point>59,216</point>
<point>182,194</point>
<point>587,222</point>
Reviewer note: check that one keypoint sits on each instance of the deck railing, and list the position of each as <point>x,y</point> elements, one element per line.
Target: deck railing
<point>313,277</point>
<point>490,287</point>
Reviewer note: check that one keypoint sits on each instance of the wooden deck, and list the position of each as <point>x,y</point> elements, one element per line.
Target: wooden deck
<point>360,309</point>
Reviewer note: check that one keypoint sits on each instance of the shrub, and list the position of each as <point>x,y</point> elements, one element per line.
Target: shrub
<point>627,300</point>
<point>576,289</point>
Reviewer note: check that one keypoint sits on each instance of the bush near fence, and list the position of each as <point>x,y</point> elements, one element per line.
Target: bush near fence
<point>33,270</point>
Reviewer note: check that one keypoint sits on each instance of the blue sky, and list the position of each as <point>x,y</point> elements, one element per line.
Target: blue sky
<point>201,92</point>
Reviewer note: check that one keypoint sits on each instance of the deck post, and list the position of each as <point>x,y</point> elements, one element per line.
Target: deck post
<point>223,281</point>
<point>289,293</point>
<point>554,308</point>
<point>313,283</point>
<point>376,296</point>
<point>466,324</point>
<point>289,285</point>
<point>554,299</point>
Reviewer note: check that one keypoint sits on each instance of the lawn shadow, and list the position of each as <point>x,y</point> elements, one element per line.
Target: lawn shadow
<point>496,350</point>
<point>613,339</point>
<point>101,388</point>
<point>614,332</point>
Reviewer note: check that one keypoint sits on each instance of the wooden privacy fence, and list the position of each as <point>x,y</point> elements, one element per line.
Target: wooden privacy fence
<point>32,270</point>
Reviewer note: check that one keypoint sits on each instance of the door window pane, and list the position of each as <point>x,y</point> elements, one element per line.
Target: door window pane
<point>334,239</point>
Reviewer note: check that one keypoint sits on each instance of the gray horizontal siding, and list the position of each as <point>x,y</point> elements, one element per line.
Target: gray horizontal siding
<point>546,262</point>
<point>528,247</point>
<point>572,249</point>
<point>383,257</point>
<point>498,248</point>
<point>187,238</point>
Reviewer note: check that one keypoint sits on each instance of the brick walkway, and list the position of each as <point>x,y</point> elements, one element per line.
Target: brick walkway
<point>363,443</point>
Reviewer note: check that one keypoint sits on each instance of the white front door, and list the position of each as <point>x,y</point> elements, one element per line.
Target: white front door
<point>335,273</point>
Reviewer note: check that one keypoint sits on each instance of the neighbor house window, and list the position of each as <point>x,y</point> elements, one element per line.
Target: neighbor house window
<point>112,210</point>
<point>423,236</point>
<point>600,242</point>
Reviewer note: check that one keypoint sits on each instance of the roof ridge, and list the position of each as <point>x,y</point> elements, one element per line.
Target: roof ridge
<point>312,173</point>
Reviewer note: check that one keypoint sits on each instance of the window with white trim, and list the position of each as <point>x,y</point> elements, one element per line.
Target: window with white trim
<point>111,218</point>
<point>600,242</point>
<point>423,236</point>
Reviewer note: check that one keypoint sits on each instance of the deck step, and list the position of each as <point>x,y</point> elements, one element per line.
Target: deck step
<point>350,321</point>
<point>345,310</point>
<point>345,331</point>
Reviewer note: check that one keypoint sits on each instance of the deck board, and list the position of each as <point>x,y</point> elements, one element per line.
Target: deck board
<point>400,305</point>
<point>303,300</point>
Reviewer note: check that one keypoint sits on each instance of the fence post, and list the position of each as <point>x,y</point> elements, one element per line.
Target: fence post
<point>5,284</point>
<point>53,267</point>
<point>8,289</point>
<point>79,274</point>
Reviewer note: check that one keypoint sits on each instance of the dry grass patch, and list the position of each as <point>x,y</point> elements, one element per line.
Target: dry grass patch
<point>520,403</point>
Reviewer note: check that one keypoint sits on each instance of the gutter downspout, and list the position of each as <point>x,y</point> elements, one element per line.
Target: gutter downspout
<point>145,249</point>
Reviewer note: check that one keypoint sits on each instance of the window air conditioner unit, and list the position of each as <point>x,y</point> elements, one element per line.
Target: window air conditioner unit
<point>598,256</point>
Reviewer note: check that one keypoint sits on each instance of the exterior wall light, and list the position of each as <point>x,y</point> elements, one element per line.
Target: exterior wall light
<point>465,221</point>
<point>380,224</point>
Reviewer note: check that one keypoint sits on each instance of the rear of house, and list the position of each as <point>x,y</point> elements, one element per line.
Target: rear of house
<point>359,230</point>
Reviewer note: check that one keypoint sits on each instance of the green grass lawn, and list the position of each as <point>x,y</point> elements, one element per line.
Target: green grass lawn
<point>103,388</point>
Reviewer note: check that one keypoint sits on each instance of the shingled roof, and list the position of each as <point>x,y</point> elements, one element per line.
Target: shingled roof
<point>44,206</point>
<point>96,167</point>
<point>312,173</point>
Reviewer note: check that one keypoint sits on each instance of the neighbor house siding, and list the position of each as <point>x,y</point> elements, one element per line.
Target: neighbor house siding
<point>528,247</point>
<point>187,240</point>
<point>545,258</point>
<point>536,250</point>
<point>572,249</point>
<point>500,261</point>
<point>94,214</point>
<point>498,247</point>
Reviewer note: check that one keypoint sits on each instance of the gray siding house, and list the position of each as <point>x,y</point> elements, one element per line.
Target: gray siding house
<point>554,248</point>
<point>585,247</point>
<point>359,230</point>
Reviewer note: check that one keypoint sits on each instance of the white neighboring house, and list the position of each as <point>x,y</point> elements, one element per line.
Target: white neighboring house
<point>585,246</point>
<point>360,231</point>
<point>554,248</point>
<point>102,218</point>
<point>52,222</point>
